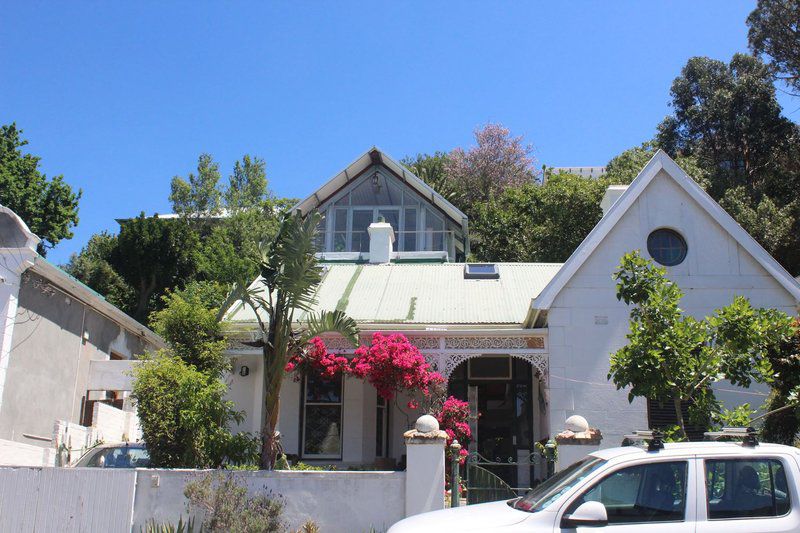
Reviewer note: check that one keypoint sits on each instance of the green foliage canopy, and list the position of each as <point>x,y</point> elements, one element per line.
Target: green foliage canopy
<point>674,358</point>
<point>192,331</point>
<point>153,255</point>
<point>775,33</point>
<point>48,206</point>
<point>537,223</point>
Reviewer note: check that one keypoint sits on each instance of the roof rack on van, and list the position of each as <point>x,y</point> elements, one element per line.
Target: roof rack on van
<point>653,437</point>
<point>747,435</point>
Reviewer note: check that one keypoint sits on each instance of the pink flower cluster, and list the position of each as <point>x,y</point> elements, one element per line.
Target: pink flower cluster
<point>392,364</point>
<point>316,359</point>
<point>453,419</point>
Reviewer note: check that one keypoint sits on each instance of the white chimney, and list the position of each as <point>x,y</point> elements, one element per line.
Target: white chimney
<point>611,196</point>
<point>381,239</point>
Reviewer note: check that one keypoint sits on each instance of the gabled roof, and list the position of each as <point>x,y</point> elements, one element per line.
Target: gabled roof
<point>412,296</point>
<point>375,156</point>
<point>661,161</point>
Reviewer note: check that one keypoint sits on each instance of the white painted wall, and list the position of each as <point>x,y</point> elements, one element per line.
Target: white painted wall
<point>587,323</point>
<point>117,500</point>
<point>14,453</point>
<point>337,501</point>
<point>111,374</point>
<point>116,425</point>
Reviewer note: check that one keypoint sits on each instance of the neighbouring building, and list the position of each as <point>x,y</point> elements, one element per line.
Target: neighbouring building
<point>56,334</point>
<point>527,345</point>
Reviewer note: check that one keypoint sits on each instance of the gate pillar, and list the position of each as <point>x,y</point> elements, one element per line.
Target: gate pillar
<point>425,466</point>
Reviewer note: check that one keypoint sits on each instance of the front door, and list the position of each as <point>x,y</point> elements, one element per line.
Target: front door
<point>498,389</point>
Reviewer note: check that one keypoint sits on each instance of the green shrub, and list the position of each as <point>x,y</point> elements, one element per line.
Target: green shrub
<point>185,417</point>
<point>228,508</point>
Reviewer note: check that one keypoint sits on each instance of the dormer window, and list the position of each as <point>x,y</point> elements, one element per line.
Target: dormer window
<point>481,271</point>
<point>374,187</point>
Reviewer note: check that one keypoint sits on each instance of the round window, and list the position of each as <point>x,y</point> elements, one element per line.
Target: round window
<point>666,247</point>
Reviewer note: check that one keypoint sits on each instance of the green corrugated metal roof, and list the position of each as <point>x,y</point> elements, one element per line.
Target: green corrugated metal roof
<point>427,293</point>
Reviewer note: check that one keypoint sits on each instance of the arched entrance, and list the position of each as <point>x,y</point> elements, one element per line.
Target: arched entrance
<point>508,407</point>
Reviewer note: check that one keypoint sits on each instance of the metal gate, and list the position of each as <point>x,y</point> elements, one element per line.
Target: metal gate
<point>483,485</point>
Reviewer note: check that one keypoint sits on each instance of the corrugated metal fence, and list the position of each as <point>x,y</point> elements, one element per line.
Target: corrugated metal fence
<point>58,499</point>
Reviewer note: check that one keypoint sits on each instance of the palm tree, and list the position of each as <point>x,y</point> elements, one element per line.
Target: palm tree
<point>290,275</point>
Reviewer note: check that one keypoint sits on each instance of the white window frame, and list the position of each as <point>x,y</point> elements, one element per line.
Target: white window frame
<point>384,427</point>
<point>305,405</point>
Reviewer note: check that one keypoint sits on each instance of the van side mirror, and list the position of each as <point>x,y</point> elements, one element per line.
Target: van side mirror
<point>588,514</point>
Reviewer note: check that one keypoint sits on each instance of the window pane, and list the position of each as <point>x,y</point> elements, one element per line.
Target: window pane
<point>489,367</point>
<point>434,228</point>
<point>323,430</point>
<point>392,216</point>
<point>321,391</point>
<point>362,218</point>
<point>644,493</point>
<point>666,247</point>
<point>409,237</point>
<point>740,488</point>
<point>376,190</point>
<point>340,231</point>
<point>379,431</point>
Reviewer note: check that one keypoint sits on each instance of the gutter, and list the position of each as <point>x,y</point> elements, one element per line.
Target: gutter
<point>91,299</point>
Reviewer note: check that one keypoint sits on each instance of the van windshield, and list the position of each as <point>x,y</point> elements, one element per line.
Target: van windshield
<point>551,489</point>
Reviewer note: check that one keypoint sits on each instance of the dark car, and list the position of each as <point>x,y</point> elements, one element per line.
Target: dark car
<point>127,455</point>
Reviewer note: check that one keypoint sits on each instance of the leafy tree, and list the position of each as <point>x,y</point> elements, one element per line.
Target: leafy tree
<point>770,225</point>
<point>497,162</point>
<point>290,275</point>
<point>230,251</point>
<point>247,185</point>
<point>533,223</point>
<point>192,330</point>
<point>622,169</point>
<point>432,169</point>
<point>729,119</point>
<point>783,424</point>
<point>92,267</point>
<point>180,395</point>
<point>153,255</point>
<point>775,33</point>
<point>185,417</point>
<point>48,206</point>
<point>674,358</point>
<point>199,196</point>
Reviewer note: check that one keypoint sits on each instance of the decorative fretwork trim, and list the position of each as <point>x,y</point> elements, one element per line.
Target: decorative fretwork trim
<point>445,363</point>
<point>494,343</point>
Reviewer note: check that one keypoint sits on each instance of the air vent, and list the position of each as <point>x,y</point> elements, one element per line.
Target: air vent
<point>481,271</point>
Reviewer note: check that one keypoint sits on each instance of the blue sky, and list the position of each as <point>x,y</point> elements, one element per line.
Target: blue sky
<point>121,97</point>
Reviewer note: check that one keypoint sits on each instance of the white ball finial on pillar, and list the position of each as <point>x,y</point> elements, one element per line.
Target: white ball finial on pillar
<point>426,424</point>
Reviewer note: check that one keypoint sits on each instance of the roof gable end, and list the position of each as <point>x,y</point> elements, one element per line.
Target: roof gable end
<point>375,156</point>
<point>661,161</point>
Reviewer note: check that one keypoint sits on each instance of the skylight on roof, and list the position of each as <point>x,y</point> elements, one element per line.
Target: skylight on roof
<point>481,271</point>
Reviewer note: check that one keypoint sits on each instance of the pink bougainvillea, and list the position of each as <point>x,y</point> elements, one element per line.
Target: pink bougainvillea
<point>316,359</point>
<point>392,364</point>
<point>453,419</point>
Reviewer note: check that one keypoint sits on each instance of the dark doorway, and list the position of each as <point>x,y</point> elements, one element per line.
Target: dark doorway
<point>499,390</point>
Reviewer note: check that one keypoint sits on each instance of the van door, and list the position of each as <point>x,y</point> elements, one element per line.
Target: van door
<point>658,495</point>
<point>751,494</point>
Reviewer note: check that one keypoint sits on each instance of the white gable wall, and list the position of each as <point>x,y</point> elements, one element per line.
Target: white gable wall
<point>587,323</point>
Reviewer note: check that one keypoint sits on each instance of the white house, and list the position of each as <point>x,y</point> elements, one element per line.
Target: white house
<point>527,345</point>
